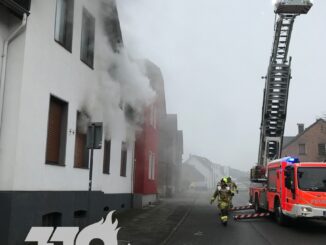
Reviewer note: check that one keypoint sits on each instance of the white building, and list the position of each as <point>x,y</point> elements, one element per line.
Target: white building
<point>51,75</point>
<point>211,171</point>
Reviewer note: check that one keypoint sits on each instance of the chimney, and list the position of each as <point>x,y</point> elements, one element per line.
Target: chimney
<point>300,128</point>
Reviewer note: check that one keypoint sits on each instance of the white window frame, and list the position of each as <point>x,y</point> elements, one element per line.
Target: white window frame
<point>151,165</point>
<point>64,17</point>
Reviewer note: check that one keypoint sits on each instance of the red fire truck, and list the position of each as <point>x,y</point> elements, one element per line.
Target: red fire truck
<point>285,186</point>
<point>289,188</point>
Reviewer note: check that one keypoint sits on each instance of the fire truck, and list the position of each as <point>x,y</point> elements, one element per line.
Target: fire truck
<point>284,186</point>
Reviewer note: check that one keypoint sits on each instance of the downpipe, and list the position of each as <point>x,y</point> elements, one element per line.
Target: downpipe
<point>4,58</point>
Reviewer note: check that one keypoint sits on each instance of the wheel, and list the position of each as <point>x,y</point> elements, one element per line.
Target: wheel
<point>281,219</point>
<point>256,204</point>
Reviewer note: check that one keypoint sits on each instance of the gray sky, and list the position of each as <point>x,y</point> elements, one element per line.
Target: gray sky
<point>212,54</point>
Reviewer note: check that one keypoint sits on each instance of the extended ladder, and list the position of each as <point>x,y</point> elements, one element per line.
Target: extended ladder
<point>276,92</point>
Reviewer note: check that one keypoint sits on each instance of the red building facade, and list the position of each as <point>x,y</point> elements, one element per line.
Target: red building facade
<point>146,145</point>
<point>146,155</point>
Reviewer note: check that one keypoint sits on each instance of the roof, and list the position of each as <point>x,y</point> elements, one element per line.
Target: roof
<point>191,173</point>
<point>207,163</point>
<point>238,174</point>
<point>288,140</point>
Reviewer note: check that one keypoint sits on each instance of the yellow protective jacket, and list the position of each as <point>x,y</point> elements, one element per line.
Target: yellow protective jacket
<point>233,187</point>
<point>223,196</point>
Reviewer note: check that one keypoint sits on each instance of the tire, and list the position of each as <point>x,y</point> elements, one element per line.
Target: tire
<point>256,204</point>
<point>281,219</point>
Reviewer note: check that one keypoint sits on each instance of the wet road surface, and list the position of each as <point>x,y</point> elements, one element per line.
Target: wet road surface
<point>203,227</point>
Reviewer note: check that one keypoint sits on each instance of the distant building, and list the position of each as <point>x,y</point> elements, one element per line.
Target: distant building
<point>146,146</point>
<point>211,171</point>
<point>170,156</point>
<point>309,144</point>
<point>191,178</point>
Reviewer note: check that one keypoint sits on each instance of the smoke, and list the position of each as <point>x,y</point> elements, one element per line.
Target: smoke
<point>123,90</point>
<point>83,120</point>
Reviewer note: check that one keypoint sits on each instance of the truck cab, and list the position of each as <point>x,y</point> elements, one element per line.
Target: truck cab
<point>292,189</point>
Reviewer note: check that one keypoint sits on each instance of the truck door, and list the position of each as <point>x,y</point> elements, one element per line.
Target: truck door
<point>289,191</point>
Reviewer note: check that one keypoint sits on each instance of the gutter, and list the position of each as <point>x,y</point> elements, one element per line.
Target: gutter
<point>4,58</point>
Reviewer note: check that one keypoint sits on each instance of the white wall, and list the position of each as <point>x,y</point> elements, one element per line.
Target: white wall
<point>47,68</point>
<point>11,97</point>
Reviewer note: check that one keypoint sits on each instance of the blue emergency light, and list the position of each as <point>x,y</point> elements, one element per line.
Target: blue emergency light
<point>292,160</point>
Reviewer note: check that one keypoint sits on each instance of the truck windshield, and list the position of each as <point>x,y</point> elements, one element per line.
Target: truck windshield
<point>312,178</point>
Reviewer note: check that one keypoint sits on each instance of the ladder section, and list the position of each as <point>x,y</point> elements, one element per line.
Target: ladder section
<point>276,92</point>
<point>281,44</point>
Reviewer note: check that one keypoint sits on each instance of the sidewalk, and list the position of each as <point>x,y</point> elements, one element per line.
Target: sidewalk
<point>152,225</point>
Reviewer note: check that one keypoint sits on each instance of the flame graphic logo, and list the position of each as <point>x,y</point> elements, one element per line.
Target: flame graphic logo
<point>105,230</point>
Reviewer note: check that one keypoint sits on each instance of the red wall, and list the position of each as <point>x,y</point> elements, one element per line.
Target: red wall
<point>146,141</point>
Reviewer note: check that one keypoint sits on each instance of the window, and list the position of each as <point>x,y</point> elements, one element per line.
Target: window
<point>123,169</point>
<point>87,39</point>
<point>302,149</point>
<point>64,23</point>
<point>323,128</point>
<point>272,179</point>
<point>151,165</point>
<point>81,151</point>
<point>321,149</point>
<point>57,132</point>
<point>112,25</point>
<point>312,178</point>
<point>107,154</point>
<point>52,219</point>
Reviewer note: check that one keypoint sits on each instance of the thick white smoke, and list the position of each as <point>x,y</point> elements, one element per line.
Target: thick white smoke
<point>122,83</point>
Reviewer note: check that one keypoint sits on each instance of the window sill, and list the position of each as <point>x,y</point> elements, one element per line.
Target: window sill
<point>89,66</point>
<point>85,168</point>
<point>106,173</point>
<point>124,176</point>
<point>63,46</point>
<point>55,164</point>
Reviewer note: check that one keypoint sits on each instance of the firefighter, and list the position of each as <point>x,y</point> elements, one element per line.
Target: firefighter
<point>233,188</point>
<point>223,194</point>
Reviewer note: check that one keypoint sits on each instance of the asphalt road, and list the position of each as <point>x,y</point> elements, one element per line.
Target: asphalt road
<point>203,227</point>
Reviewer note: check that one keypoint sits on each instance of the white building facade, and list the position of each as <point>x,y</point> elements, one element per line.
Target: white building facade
<point>51,70</point>
<point>212,172</point>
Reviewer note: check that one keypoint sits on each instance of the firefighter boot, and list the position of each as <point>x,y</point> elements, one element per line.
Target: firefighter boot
<point>224,219</point>
<point>224,216</point>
